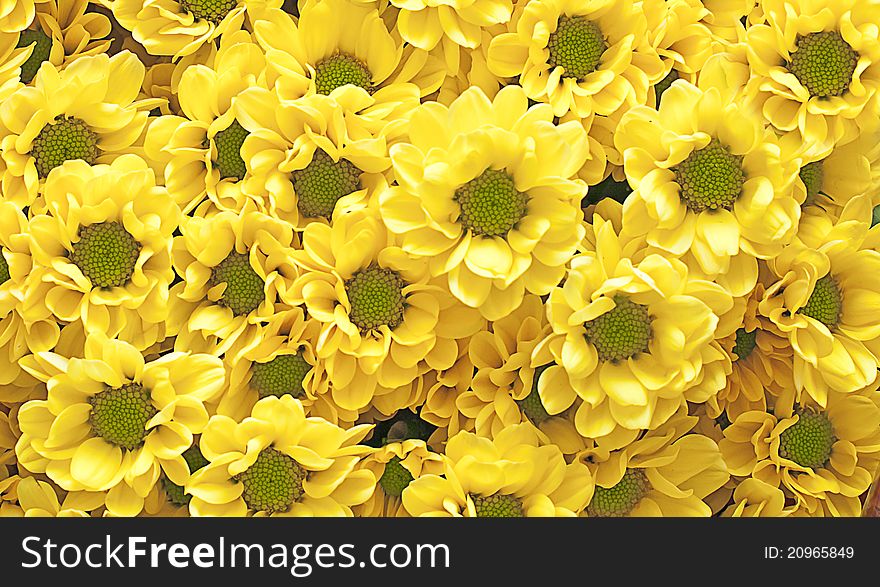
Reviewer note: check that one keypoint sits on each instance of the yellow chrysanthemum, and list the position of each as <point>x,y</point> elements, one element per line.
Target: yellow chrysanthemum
<point>88,111</point>
<point>666,472</point>
<point>17,15</point>
<point>709,183</point>
<point>101,250</point>
<point>822,458</point>
<point>396,465</point>
<point>581,57</point>
<point>511,476</point>
<point>486,193</point>
<point>824,298</point>
<point>201,150</point>
<point>634,336</point>
<point>442,390</point>
<point>815,69</point>
<point>39,499</point>
<point>234,268</point>
<point>383,323</point>
<point>753,498</point>
<point>113,422</point>
<point>279,462</point>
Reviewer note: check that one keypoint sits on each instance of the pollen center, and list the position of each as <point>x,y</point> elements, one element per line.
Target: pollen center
<point>244,287</point>
<point>229,142</point>
<point>64,139</point>
<point>576,45</point>
<point>824,304</point>
<point>813,176</point>
<point>620,499</point>
<point>273,483</point>
<point>622,332</point>
<point>194,461</point>
<point>106,254</point>
<point>824,63</point>
<point>120,415</point>
<point>498,506</point>
<point>376,298</point>
<point>531,405</point>
<point>395,478</point>
<point>808,441</point>
<point>282,375</point>
<point>341,69</point>
<point>490,204</point>
<point>213,10</point>
<point>711,178</point>
<point>745,343</point>
<point>39,54</point>
<point>322,182</point>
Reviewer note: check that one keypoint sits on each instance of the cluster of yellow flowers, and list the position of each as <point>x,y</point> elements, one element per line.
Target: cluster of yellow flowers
<point>439,257</point>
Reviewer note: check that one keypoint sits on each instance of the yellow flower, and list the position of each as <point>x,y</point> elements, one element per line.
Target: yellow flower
<point>666,472</point>
<point>753,498</point>
<point>473,70</point>
<point>442,390</point>
<point>112,422</point>
<point>39,499</point>
<point>815,69</point>
<point>581,57</point>
<point>511,476</point>
<point>710,183</point>
<point>486,193</point>
<point>725,19</point>
<point>634,336</point>
<point>279,462</point>
<point>823,298</point>
<point>235,267</point>
<point>88,111</point>
<point>382,322</point>
<point>17,15</point>
<point>396,465</point>
<point>101,249</point>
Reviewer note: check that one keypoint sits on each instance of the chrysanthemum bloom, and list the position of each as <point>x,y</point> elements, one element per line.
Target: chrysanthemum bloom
<point>337,43</point>
<point>753,498</point>
<point>101,250</point>
<point>823,458</point>
<point>442,390</point>
<point>279,462</point>
<point>396,465</point>
<point>511,476</point>
<point>181,27</point>
<point>39,499</point>
<point>382,322</point>
<point>88,111</point>
<point>634,336</point>
<point>709,182</point>
<point>581,57</point>
<point>201,150</point>
<point>666,472</point>
<point>824,300</point>
<point>815,69</point>
<point>234,267</point>
<point>485,193</point>
<point>17,15</point>
<point>313,156</point>
<point>113,422</point>
<point>62,32</point>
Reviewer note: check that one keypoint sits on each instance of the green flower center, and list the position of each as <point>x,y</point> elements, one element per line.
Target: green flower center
<point>376,298</point>
<point>813,176</point>
<point>64,139</point>
<point>322,182</point>
<point>106,254</point>
<point>229,142</point>
<point>711,178</point>
<point>213,10</point>
<point>120,415</point>
<point>341,69</point>
<point>490,204</point>
<point>576,45</point>
<point>395,478</point>
<point>498,506</point>
<point>808,441</point>
<point>622,332</point>
<point>4,268</point>
<point>39,54</point>
<point>824,304</point>
<point>620,499</point>
<point>244,287</point>
<point>531,405</point>
<point>282,375</point>
<point>745,343</point>
<point>824,63</point>
<point>273,483</point>
<point>663,85</point>
<point>195,460</point>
